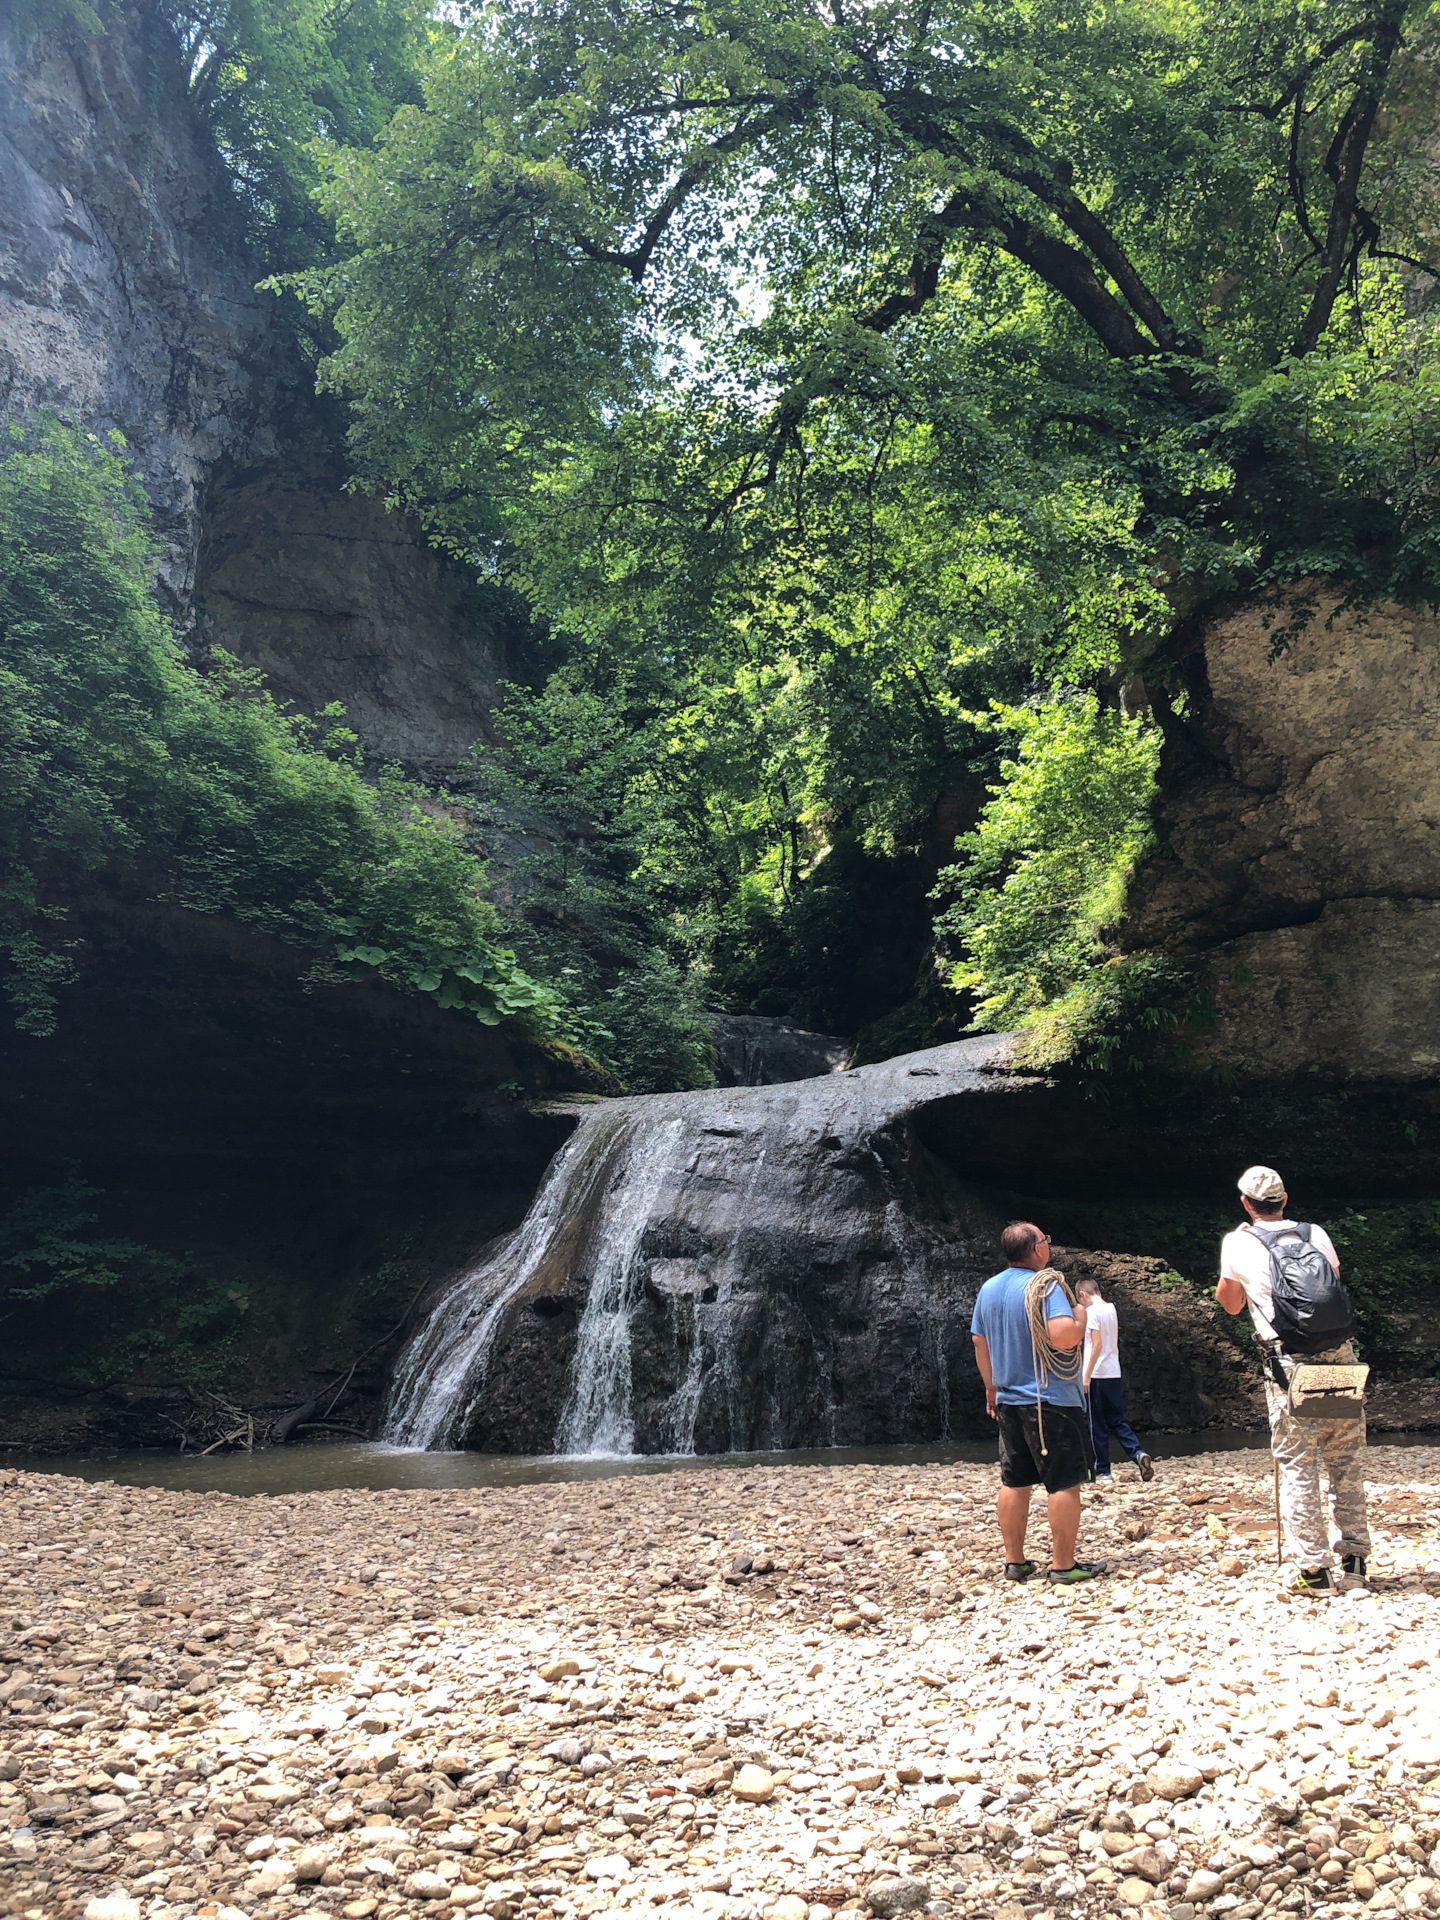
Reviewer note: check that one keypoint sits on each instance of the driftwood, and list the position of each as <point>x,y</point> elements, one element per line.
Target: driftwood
<point>281,1429</point>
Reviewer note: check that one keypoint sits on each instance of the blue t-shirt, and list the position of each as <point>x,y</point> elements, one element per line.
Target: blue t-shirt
<point>999,1317</point>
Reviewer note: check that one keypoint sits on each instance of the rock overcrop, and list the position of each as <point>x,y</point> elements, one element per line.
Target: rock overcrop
<point>633,1695</point>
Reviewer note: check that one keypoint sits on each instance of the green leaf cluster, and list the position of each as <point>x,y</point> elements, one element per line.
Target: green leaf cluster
<point>118,755</point>
<point>83,1308</point>
<point>272,78</point>
<point>1043,876</point>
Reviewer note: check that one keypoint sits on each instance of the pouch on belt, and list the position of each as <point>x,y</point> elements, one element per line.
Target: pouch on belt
<point>1328,1393</point>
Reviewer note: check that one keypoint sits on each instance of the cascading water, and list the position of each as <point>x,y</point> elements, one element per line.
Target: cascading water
<point>743,1267</point>
<point>443,1370</point>
<point>599,1415</point>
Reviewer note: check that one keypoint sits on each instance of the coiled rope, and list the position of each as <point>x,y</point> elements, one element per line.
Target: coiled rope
<point>1050,1361</point>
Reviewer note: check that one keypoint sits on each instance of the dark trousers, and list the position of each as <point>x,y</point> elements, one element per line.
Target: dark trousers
<point>1107,1416</point>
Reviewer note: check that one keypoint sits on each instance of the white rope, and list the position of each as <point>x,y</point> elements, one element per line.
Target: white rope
<point>1049,1360</point>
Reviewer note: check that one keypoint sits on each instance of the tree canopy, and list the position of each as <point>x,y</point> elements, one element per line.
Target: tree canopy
<point>645,267</point>
<point>824,374</point>
<point>868,403</point>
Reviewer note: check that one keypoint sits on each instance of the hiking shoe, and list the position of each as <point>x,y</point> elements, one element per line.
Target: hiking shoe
<point>1074,1576</point>
<point>1316,1581</point>
<point>1353,1569</point>
<point>1019,1569</point>
<point>1146,1466</point>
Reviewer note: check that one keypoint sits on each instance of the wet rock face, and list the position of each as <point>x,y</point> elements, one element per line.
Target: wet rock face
<point>1302,862</point>
<point>744,1268</point>
<point>754,1050</point>
<point>766,1267</point>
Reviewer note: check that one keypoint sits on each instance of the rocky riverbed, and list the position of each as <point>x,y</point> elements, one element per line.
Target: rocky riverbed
<point>774,1694</point>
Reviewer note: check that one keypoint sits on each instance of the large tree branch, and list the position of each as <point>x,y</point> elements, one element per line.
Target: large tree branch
<point>1021,161</point>
<point>1092,232</point>
<point>1061,266</point>
<point>636,259</point>
<point>1272,109</point>
<point>1346,164</point>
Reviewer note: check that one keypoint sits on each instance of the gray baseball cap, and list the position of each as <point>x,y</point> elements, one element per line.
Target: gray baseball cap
<point>1261,1183</point>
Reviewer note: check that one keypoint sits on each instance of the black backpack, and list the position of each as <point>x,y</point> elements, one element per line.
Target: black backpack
<point>1310,1309</point>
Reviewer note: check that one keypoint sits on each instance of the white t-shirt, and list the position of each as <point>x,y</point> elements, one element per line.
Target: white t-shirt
<point>1103,1326</point>
<point>1245,1258</point>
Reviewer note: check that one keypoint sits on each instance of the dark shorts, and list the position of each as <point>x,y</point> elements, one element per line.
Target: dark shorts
<point>1069,1459</point>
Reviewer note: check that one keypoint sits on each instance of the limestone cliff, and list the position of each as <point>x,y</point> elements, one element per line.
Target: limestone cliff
<point>123,297</point>
<point>127,302</point>
<point>1301,860</point>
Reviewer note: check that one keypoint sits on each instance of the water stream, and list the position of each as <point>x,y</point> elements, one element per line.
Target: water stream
<point>320,1467</point>
<point>444,1369</point>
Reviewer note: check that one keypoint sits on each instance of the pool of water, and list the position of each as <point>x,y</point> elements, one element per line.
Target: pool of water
<point>318,1467</point>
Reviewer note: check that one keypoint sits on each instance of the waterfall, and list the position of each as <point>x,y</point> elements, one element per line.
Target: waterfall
<point>678,1425</point>
<point>773,1266</point>
<point>599,1415</point>
<point>443,1371</point>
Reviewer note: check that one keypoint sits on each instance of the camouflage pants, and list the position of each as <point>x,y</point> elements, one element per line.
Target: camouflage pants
<point>1305,1449</point>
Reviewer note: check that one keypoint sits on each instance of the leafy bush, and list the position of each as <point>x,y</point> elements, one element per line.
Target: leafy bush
<point>659,1038</point>
<point>1045,874</point>
<point>116,753</point>
<point>83,1308</point>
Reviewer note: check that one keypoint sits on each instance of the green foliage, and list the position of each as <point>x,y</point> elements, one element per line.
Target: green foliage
<point>85,1309</point>
<point>659,1037</point>
<point>819,386</point>
<point>1044,873</point>
<point>1119,1015</point>
<point>272,77</point>
<point>1387,1253</point>
<point>44,1246</point>
<point>115,753</point>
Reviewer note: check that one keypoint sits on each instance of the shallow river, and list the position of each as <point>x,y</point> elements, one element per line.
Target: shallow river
<point>320,1466</point>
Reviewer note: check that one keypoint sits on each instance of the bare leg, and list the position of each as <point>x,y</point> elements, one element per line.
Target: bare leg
<point>1013,1509</point>
<point>1063,1512</point>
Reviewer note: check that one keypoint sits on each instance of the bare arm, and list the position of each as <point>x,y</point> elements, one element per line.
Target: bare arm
<point>1092,1354</point>
<point>1067,1330</point>
<point>982,1361</point>
<point>1230,1294</point>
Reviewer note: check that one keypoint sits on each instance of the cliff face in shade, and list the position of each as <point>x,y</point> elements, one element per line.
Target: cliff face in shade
<point>123,297</point>
<point>126,301</point>
<point>1301,813</point>
<point>333,598</point>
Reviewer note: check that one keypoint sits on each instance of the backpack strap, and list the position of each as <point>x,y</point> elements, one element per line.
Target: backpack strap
<point>1267,1236</point>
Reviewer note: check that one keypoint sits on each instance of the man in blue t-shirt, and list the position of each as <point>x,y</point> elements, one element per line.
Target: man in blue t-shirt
<point>1044,1430</point>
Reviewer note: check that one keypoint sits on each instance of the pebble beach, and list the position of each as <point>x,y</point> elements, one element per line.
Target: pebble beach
<point>777,1694</point>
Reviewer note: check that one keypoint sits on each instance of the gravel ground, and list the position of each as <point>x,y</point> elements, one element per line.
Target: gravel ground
<point>782,1692</point>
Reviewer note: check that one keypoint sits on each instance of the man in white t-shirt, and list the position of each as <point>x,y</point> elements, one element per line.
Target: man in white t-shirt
<point>1103,1391</point>
<point>1301,1447</point>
